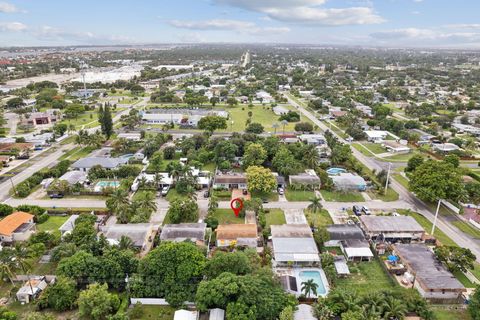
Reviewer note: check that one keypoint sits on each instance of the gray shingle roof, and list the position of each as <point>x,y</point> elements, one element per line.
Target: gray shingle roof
<point>108,163</point>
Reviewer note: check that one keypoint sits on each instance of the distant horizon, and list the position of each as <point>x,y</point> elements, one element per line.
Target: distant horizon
<point>377,23</point>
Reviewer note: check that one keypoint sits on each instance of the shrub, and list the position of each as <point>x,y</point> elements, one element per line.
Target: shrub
<point>42,218</point>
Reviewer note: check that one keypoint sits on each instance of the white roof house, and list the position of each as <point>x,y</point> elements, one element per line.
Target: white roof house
<point>376,135</point>
<point>185,315</point>
<point>161,118</point>
<point>445,147</point>
<point>294,243</point>
<point>349,181</point>
<point>31,289</point>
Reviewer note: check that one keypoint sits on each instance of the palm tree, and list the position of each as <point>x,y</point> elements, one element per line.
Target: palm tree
<point>284,123</point>
<point>7,265</point>
<point>311,157</point>
<point>118,204</point>
<point>125,243</point>
<point>147,202</point>
<point>309,287</point>
<point>275,126</point>
<point>393,309</point>
<point>344,301</point>
<point>157,180</point>
<point>315,205</point>
<point>21,256</point>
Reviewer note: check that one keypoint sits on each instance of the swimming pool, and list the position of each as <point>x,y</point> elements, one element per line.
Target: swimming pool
<point>316,276</point>
<point>106,184</point>
<point>334,171</point>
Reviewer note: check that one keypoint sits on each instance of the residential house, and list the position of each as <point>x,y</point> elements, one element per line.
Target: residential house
<point>391,228</point>
<point>293,244</point>
<point>194,232</point>
<point>396,147</point>
<point>376,136</point>
<point>264,97</point>
<point>68,225</point>
<point>308,178</point>
<point>18,226</point>
<point>424,137</point>
<point>141,234</point>
<point>445,147</point>
<point>237,234</point>
<point>86,164</point>
<point>74,177</point>
<point>351,240</point>
<point>347,181</point>
<point>366,110</point>
<point>231,180</point>
<point>31,289</point>
<point>132,136</point>
<point>161,118</point>
<point>430,277</point>
<point>313,139</point>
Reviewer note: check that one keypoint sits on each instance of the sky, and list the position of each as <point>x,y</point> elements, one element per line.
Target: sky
<point>390,23</point>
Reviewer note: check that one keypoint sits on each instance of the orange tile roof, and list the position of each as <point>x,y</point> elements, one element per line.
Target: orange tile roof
<point>234,231</point>
<point>11,222</point>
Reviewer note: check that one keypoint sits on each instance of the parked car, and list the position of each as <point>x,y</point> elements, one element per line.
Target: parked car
<point>23,156</point>
<point>206,194</point>
<point>56,196</point>
<point>357,211</point>
<point>244,192</point>
<point>264,201</point>
<point>281,191</point>
<point>38,148</point>
<point>165,190</point>
<point>366,211</point>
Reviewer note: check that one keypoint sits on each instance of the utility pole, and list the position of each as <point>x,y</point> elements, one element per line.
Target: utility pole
<point>388,177</point>
<point>13,186</point>
<point>436,215</point>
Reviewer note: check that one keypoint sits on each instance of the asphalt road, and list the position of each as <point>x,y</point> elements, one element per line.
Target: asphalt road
<point>406,197</point>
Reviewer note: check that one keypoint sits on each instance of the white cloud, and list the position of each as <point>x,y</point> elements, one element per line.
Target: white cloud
<point>412,33</point>
<point>309,12</point>
<point>215,24</point>
<point>12,26</point>
<point>231,25</point>
<point>49,33</point>
<point>416,12</point>
<point>6,7</point>
<point>464,26</point>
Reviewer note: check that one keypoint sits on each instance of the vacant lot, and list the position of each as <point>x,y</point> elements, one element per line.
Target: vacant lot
<point>341,196</point>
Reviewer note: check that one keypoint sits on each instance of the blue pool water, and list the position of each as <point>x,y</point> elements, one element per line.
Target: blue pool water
<point>316,277</point>
<point>336,170</point>
<point>104,184</point>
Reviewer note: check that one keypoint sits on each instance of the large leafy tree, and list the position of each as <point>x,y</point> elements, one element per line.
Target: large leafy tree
<point>236,263</point>
<point>212,123</point>
<point>474,305</point>
<point>172,270</point>
<point>456,258</point>
<point>435,180</point>
<point>284,162</point>
<point>61,296</point>
<point>97,303</point>
<point>260,179</point>
<point>183,210</point>
<point>246,297</point>
<point>254,155</point>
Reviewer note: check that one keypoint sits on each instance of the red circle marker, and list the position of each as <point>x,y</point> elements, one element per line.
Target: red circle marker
<point>236,209</point>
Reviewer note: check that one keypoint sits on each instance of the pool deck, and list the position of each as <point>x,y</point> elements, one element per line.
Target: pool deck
<point>295,272</point>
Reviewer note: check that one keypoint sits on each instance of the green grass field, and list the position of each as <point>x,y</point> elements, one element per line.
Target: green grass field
<point>156,313</point>
<point>361,149</point>
<point>76,153</point>
<point>371,277</point>
<point>260,114</point>
<point>341,196</point>
<point>226,216</point>
<point>374,147</point>
<point>391,195</point>
<point>467,228</point>
<point>319,219</point>
<point>450,313</point>
<point>299,195</point>
<point>275,217</point>
<point>52,224</point>
<point>401,179</point>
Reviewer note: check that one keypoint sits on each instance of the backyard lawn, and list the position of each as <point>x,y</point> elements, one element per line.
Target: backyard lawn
<point>157,312</point>
<point>275,217</point>
<point>375,147</point>
<point>371,277</point>
<point>320,219</point>
<point>226,216</point>
<point>52,224</point>
<point>446,313</point>
<point>341,196</point>
<point>299,195</point>
<point>427,225</point>
<point>173,194</point>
